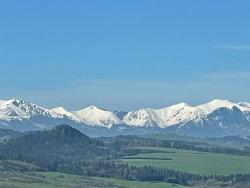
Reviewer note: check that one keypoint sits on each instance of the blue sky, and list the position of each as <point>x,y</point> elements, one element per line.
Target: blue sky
<point>124,54</point>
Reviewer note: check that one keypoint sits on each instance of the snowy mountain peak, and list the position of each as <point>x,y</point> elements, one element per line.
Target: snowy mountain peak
<point>143,117</point>
<point>182,104</point>
<point>7,102</point>
<point>61,113</point>
<point>92,107</point>
<point>20,109</point>
<point>178,106</point>
<point>176,114</point>
<point>215,104</point>
<point>8,110</point>
<point>94,116</point>
<point>221,116</point>
<point>59,110</point>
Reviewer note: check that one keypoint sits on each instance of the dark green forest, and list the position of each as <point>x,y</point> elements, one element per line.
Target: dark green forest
<point>65,149</point>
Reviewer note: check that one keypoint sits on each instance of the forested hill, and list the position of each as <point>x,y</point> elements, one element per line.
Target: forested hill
<point>65,149</point>
<point>62,143</point>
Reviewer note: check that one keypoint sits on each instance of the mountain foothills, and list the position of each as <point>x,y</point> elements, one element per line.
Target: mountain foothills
<point>217,118</point>
<point>66,150</point>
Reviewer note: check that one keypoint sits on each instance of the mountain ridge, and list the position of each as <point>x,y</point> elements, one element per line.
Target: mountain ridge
<point>223,116</point>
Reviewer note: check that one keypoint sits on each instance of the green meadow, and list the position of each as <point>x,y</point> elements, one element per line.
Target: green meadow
<point>191,161</point>
<point>62,180</point>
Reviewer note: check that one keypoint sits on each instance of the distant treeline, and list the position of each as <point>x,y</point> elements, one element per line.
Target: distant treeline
<point>116,169</point>
<point>121,142</point>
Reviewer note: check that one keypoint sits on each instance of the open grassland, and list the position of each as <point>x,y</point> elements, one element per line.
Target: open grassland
<point>191,161</point>
<point>137,184</point>
<point>62,180</point>
<point>45,180</point>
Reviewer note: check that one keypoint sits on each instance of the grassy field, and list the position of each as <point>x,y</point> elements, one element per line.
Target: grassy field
<point>191,161</point>
<point>137,184</point>
<point>62,180</point>
<point>42,180</point>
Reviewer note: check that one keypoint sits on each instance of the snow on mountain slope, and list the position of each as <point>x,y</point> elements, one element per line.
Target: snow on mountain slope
<point>245,107</point>
<point>217,117</point>
<point>25,110</point>
<point>19,115</point>
<point>142,118</point>
<point>94,116</point>
<point>62,113</point>
<point>3,102</point>
<point>176,114</point>
<point>21,108</point>
<point>172,115</point>
<point>163,118</point>
<point>10,110</point>
<point>215,104</point>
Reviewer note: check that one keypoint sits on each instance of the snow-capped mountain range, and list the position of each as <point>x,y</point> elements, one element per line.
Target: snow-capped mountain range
<point>213,119</point>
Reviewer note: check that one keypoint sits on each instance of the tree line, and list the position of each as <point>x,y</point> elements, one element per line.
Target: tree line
<point>119,170</point>
<point>121,142</point>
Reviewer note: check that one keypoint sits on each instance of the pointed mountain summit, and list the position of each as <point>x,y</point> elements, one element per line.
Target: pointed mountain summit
<point>63,113</point>
<point>94,116</point>
<point>215,118</point>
